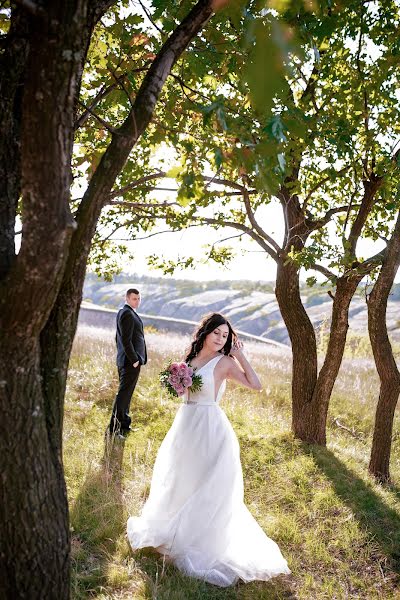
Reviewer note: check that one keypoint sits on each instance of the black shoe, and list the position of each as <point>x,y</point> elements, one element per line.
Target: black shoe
<point>110,435</point>
<point>126,430</point>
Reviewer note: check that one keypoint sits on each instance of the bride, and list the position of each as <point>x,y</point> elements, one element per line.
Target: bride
<point>195,514</point>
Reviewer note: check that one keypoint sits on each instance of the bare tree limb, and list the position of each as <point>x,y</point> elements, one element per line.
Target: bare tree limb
<point>373,261</point>
<point>148,15</point>
<point>333,211</point>
<point>246,230</point>
<point>136,183</point>
<point>99,119</point>
<point>371,186</point>
<point>144,205</point>
<point>321,269</point>
<point>103,93</point>
<point>255,225</point>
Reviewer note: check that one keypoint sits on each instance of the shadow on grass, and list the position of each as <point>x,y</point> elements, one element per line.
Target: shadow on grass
<point>98,521</point>
<point>170,584</point>
<point>372,513</point>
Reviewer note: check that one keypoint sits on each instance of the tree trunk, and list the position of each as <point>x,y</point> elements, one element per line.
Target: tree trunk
<point>345,289</point>
<point>385,363</point>
<point>34,530</point>
<point>304,351</point>
<point>12,68</point>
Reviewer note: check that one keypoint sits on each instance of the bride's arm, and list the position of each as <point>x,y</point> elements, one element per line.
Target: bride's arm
<point>240,370</point>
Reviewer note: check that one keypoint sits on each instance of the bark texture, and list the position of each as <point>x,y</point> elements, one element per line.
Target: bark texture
<point>34,530</point>
<point>311,391</point>
<point>386,365</point>
<point>12,69</point>
<point>345,289</point>
<point>304,351</point>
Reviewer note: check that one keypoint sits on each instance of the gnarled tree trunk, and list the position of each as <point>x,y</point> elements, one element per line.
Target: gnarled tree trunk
<point>12,69</point>
<point>345,289</point>
<point>304,351</point>
<point>34,536</point>
<point>385,363</point>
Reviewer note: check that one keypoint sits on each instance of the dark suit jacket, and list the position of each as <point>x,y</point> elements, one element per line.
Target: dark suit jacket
<point>131,345</point>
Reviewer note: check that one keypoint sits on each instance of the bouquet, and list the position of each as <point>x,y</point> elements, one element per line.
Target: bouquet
<point>179,377</point>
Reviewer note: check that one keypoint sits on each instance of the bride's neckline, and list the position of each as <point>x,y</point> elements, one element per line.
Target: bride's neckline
<point>197,369</point>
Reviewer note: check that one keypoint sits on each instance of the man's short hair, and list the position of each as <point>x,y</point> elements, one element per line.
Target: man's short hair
<point>132,291</point>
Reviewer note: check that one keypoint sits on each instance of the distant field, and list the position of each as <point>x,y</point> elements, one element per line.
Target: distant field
<point>338,529</point>
<point>250,305</point>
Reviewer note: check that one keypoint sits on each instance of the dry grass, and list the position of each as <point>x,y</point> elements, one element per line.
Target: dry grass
<point>339,530</point>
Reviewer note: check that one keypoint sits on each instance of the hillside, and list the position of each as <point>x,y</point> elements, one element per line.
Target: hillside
<point>251,306</point>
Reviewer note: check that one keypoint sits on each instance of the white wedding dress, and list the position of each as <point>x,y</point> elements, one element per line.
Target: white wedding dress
<point>195,514</point>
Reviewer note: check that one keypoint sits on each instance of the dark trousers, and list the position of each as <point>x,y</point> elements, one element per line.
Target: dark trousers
<point>128,377</point>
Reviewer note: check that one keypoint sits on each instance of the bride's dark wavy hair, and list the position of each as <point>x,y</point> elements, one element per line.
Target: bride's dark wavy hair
<point>207,326</point>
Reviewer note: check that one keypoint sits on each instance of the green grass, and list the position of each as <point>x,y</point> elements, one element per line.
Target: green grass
<point>338,529</point>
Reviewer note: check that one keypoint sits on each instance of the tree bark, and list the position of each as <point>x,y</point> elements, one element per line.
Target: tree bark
<point>34,529</point>
<point>345,289</point>
<point>304,351</point>
<point>389,375</point>
<point>12,69</point>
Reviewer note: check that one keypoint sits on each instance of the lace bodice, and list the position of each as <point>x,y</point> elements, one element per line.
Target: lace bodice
<point>207,395</point>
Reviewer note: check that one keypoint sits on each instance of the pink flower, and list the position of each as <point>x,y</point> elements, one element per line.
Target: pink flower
<point>190,371</point>
<point>180,390</point>
<point>183,368</point>
<point>187,381</point>
<point>174,368</point>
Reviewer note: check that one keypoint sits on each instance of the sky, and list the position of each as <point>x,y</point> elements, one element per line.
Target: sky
<point>251,262</point>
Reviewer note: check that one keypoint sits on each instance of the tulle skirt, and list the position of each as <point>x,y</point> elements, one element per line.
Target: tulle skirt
<point>195,514</point>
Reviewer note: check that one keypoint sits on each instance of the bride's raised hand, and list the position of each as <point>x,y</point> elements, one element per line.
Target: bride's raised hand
<point>237,349</point>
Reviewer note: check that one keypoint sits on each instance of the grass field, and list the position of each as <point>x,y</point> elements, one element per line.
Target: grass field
<point>338,529</point>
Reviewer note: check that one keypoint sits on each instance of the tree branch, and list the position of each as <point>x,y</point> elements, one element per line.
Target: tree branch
<point>255,225</point>
<point>364,91</point>
<point>102,94</point>
<point>148,15</point>
<point>370,263</point>
<point>245,229</point>
<point>99,119</point>
<point>136,183</point>
<point>321,269</point>
<point>371,186</point>
<point>333,211</point>
<point>321,183</point>
<point>143,205</point>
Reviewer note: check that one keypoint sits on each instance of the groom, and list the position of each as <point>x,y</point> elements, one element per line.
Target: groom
<point>131,354</point>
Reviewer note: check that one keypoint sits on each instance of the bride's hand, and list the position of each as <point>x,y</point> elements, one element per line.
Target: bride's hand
<point>237,349</point>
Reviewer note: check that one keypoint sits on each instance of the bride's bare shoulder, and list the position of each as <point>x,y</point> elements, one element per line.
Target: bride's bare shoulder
<point>226,363</point>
